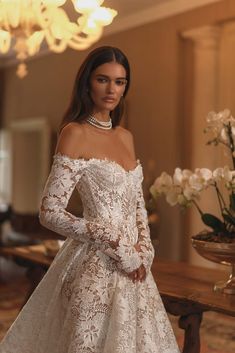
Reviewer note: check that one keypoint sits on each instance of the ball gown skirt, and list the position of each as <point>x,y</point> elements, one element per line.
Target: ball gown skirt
<point>86,303</point>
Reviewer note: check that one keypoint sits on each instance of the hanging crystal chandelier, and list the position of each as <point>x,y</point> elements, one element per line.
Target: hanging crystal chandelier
<point>26,24</point>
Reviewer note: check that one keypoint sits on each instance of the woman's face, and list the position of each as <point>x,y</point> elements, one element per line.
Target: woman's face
<point>107,85</point>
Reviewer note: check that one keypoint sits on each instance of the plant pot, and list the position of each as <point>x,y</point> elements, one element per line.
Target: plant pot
<point>222,253</point>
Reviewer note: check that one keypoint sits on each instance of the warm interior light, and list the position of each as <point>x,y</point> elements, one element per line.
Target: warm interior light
<point>28,23</point>
<point>5,41</point>
<point>86,6</point>
<point>103,16</point>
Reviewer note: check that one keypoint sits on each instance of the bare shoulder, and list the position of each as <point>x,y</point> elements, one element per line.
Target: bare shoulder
<point>124,134</point>
<point>72,129</point>
<point>127,139</point>
<point>71,140</point>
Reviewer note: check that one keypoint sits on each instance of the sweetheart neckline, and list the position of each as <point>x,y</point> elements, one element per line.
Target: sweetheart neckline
<point>102,160</point>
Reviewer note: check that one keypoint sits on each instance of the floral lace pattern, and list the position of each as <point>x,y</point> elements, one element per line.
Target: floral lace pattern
<point>86,303</point>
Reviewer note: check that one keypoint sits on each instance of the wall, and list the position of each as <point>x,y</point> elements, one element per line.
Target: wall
<point>155,103</point>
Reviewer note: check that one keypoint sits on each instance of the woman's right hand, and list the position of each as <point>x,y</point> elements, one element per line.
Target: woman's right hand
<point>137,247</point>
<point>138,275</point>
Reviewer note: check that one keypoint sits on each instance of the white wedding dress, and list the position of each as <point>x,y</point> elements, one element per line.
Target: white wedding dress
<point>86,303</point>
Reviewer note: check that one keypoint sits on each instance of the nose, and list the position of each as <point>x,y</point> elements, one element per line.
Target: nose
<point>111,86</point>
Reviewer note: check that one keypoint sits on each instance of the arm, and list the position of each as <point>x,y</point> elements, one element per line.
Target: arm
<point>144,244</point>
<point>144,241</point>
<point>65,174</point>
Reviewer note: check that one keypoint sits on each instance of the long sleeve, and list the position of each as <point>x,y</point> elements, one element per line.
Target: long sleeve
<point>147,250</point>
<point>64,176</point>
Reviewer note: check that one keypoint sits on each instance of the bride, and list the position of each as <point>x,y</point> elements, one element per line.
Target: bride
<point>99,295</point>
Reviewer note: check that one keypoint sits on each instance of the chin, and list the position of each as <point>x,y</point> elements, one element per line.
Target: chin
<point>109,106</point>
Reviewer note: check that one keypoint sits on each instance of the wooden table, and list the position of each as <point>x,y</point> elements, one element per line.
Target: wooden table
<point>186,290</point>
<point>32,253</point>
<point>33,258</point>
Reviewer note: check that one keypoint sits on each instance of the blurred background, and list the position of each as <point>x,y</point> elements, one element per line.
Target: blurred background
<point>182,55</point>
<point>182,60</point>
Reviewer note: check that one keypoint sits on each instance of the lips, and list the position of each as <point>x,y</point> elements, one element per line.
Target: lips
<point>109,99</point>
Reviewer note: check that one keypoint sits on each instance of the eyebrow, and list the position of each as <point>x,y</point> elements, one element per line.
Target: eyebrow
<point>117,78</point>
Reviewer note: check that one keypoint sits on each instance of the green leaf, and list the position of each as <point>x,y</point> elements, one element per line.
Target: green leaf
<point>229,219</point>
<point>213,222</point>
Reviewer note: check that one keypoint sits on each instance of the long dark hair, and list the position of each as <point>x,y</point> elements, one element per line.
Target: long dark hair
<point>81,104</point>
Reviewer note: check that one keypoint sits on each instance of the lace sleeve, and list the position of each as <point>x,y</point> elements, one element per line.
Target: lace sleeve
<point>147,250</point>
<point>64,176</point>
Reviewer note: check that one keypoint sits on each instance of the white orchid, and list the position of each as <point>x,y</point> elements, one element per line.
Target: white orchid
<point>173,195</point>
<point>217,119</point>
<point>222,127</point>
<point>185,186</point>
<point>190,193</point>
<point>218,174</point>
<point>225,175</point>
<point>181,177</point>
<point>201,178</point>
<point>163,183</point>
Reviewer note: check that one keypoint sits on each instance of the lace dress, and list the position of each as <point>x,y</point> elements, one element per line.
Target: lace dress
<point>86,303</point>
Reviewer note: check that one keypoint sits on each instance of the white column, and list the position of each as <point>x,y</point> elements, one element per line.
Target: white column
<point>31,156</point>
<point>227,72</point>
<point>5,169</point>
<point>227,78</point>
<point>205,97</point>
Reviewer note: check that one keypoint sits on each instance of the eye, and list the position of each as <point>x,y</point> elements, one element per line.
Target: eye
<point>121,82</point>
<point>102,79</point>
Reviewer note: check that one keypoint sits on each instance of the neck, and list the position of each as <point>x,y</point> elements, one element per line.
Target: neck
<point>101,124</point>
<point>101,116</point>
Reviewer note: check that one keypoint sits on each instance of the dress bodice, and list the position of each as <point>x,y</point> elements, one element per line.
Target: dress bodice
<point>114,218</point>
<point>108,191</point>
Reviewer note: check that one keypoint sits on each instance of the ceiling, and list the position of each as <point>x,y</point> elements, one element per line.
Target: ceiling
<point>126,7</point>
<point>132,13</point>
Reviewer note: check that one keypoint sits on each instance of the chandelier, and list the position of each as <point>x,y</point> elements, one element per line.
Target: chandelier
<point>26,25</point>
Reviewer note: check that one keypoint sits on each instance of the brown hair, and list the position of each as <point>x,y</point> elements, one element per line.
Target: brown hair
<point>81,104</point>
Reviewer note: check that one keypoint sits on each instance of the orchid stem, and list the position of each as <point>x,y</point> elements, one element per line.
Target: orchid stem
<point>220,199</point>
<point>197,207</point>
<point>231,142</point>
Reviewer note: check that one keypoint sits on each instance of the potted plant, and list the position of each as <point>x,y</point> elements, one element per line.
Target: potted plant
<point>184,188</point>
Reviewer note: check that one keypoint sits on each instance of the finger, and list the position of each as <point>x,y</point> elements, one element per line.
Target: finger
<point>143,277</point>
<point>138,247</point>
<point>132,275</point>
<point>143,274</point>
<point>138,274</point>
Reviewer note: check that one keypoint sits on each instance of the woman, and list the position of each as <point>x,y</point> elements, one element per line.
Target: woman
<point>99,295</point>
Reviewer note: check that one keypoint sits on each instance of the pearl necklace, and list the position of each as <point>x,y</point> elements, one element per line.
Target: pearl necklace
<point>105,125</point>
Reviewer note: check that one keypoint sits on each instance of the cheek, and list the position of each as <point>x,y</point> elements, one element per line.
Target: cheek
<point>121,91</point>
<point>96,92</point>
<point>95,89</point>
